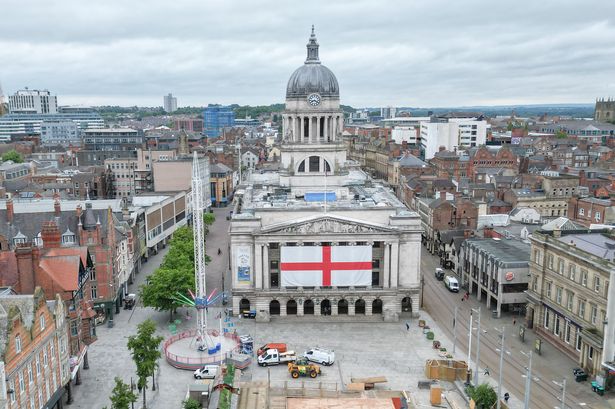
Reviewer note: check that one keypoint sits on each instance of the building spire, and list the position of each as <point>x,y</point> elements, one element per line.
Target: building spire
<point>312,49</point>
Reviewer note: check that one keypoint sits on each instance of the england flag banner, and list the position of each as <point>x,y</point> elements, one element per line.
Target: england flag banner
<point>325,266</point>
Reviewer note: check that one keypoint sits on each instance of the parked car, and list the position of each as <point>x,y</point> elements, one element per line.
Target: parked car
<point>452,284</point>
<point>579,374</point>
<point>248,313</point>
<point>320,355</point>
<point>439,274</point>
<point>206,372</point>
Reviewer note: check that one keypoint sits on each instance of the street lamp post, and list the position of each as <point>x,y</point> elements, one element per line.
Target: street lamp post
<point>563,386</point>
<point>469,346</point>
<point>528,382</point>
<point>455,330</point>
<point>501,367</point>
<point>476,364</point>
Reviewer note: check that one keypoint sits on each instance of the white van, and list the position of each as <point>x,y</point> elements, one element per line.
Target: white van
<point>321,356</point>
<point>452,284</point>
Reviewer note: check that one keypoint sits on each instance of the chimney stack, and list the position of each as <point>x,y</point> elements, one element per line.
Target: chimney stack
<point>25,268</point>
<point>56,208</point>
<point>78,211</point>
<point>443,195</point>
<point>51,235</point>
<point>10,210</point>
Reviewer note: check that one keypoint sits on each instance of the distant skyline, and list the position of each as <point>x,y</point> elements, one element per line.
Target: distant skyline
<point>401,53</point>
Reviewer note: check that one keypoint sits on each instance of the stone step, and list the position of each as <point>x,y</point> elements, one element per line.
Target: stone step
<point>327,318</point>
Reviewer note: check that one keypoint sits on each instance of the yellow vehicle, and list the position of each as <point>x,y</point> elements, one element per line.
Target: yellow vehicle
<point>303,368</point>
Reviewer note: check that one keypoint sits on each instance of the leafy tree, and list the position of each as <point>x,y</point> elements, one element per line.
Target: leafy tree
<point>121,396</point>
<point>12,155</point>
<point>208,219</point>
<point>483,395</point>
<point>191,404</point>
<point>561,134</point>
<point>175,274</point>
<point>145,351</point>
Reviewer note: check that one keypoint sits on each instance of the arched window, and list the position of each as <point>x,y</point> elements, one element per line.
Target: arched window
<point>302,167</point>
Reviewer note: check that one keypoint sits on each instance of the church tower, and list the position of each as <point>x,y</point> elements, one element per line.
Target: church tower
<point>312,148</point>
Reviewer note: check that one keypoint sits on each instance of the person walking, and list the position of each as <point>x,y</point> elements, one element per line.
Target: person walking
<point>407,326</point>
<point>486,373</point>
<point>506,397</point>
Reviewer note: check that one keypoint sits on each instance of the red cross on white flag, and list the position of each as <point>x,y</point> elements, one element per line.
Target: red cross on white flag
<point>324,266</point>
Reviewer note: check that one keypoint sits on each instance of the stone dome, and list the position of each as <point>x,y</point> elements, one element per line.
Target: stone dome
<point>312,76</point>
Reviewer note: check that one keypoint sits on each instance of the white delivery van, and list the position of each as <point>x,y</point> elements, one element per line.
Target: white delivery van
<point>320,355</point>
<point>452,284</point>
<point>275,357</point>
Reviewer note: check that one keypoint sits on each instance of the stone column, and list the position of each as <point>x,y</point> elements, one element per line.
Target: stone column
<point>395,265</point>
<point>341,120</point>
<point>316,308</point>
<point>351,307</point>
<point>283,307</point>
<point>301,127</point>
<point>333,306</point>
<point>258,266</point>
<point>266,272</point>
<point>299,309</point>
<point>386,268</point>
<point>326,135</point>
<point>368,306</point>
<point>310,129</point>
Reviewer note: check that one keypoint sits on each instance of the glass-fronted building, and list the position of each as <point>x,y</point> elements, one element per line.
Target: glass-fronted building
<point>217,118</point>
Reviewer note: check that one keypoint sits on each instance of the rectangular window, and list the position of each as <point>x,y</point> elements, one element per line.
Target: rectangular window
<point>535,284</point>
<point>569,299</point>
<point>22,384</point>
<point>73,328</point>
<point>30,377</point>
<point>594,315</point>
<point>584,277</point>
<point>547,317</point>
<point>582,309</point>
<point>578,341</point>
<point>597,283</point>
<point>17,344</point>
<point>560,266</point>
<point>45,359</point>
<point>537,256</point>
<point>42,322</point>
<point>572,272</point>
<point>558,295</point>
<point>591,353</point>
<point>557,319</point>
<point>94,290</point>
<point>550,261</point>
<point>274,264</point>
<point>92,272</point>
<point>38,366</point>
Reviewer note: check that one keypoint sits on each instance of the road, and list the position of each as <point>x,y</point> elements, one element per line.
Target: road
<point>550,367</point>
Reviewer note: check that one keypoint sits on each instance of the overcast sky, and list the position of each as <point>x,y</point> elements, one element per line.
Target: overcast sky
<point>425,53</point>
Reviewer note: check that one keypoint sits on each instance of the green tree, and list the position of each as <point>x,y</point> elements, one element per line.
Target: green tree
<point>175,274</point>
<point>208,219</point>
<point>121,396</point>
<point>145,350</point>
<point>191,404</point>
<point>561,134</point>
<point>483,395</point>
<point>12,155</point>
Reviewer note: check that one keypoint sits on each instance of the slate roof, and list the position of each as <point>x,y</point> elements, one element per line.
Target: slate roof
<point>561,223</point>
<point>593,243</point>
<point>440,183</point>
<point>411,161</point>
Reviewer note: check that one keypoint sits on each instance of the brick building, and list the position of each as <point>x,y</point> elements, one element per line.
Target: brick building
<point>34,352</point>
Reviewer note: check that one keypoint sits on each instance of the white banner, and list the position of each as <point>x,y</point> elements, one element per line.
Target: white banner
<point>243,260</point>
<point>318,266</point>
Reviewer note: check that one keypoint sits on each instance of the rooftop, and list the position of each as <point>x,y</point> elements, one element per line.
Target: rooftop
<point>504,250</point>
<point>596,244</point>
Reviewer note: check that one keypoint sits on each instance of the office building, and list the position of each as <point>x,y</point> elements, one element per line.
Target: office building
<point>170,103</point>
<point>30,124</point>
<point>33,101</point>
<point>65,133</point>
<point>454,133</point>
<point>216,119</point>
<point>388,112</point>
<point>112,139</point>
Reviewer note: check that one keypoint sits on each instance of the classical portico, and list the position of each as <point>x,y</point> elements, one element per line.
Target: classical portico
<point>317,204</point>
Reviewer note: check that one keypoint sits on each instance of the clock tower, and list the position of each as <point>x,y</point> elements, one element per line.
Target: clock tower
<point>312,147</point>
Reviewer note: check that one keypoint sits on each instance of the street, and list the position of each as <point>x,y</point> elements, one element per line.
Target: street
<point>549,367</point>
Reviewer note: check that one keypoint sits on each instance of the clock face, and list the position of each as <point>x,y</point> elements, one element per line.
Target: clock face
<point>314,99</point>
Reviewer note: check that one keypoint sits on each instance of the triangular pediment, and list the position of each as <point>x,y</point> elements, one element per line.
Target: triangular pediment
<point>326,224</point>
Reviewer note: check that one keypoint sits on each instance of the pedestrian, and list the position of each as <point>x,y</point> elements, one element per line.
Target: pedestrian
<point>514,321</point>
<point>486,373</point>
<point>407,326</point>
<point>506,397</point>
<point>467,295</point>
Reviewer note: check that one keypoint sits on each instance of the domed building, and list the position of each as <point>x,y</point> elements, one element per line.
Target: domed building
<point>318,236</point>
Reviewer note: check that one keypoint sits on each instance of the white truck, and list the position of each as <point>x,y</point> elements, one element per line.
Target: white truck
<point>274,357</point>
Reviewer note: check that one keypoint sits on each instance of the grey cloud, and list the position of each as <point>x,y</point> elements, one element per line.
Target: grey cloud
<point>420,53</point>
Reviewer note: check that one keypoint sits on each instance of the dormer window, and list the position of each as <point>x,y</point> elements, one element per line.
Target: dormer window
<point>38,240</point>
<point>19,238</point>
<point>68,238</point>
